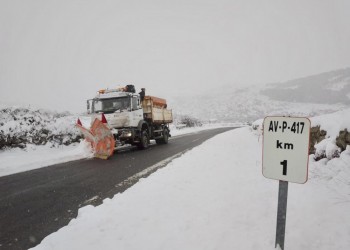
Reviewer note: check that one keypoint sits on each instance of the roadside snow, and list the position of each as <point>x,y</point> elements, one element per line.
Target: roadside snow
<point>19,160</point>
<point>32,157</point>
<point>334,122</point>
<point>215,197</point>
<point>22,126</point>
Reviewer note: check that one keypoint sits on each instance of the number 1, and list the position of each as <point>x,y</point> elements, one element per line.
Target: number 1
<point>284,164</point>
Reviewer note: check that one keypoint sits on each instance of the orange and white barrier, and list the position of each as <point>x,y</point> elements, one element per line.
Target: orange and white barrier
<point>100,137</point>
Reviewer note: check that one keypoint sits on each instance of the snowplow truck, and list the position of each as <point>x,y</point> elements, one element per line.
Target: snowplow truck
<point>120,116</point>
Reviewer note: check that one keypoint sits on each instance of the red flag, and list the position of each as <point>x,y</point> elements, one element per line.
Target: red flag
<point>79,122</point>
<point>104,120</point>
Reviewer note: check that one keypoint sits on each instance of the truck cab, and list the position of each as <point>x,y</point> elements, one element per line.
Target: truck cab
<point>121,109</point>
<point>131,120</point>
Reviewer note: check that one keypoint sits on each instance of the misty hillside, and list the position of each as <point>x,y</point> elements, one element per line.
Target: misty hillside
<point>330,87</point>
<point>308,96</point>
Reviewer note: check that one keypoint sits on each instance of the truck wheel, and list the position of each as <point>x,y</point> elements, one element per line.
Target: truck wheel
<point>165,138</point>
<point>143,141</point>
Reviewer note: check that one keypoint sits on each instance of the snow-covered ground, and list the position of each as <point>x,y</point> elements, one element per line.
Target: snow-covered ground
<point>19,160</point>
<point>215,197</point>
<point>212,197</point>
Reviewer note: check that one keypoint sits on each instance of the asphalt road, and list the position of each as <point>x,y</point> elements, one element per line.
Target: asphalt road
<point>36,203</point>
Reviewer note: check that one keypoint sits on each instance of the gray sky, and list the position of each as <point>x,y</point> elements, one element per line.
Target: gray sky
<point>57,54</point>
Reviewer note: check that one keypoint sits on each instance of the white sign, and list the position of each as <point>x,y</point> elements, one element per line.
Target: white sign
<point>286,148</point>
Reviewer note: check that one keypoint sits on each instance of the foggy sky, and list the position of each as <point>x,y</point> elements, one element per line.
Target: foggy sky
<point>57,54</point>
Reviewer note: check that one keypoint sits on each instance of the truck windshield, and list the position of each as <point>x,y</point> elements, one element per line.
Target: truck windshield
<point>110,105</point>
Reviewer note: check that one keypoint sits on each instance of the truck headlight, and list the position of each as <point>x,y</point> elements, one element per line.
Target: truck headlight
<point>126,133</point>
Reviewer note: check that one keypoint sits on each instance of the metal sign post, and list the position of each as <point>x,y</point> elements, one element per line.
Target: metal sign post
<point>285,158</point>
<point>281,214</point>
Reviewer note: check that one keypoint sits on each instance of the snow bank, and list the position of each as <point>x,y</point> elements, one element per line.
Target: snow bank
<point>334,122</point>
<point>22,126</point>
<point>327,148</point>
<point>175,131</point>
<point>19,160</point>
<point>215,197</point>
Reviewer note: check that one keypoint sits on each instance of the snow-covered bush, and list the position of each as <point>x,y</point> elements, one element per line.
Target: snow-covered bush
<point>258,124</point>
<point>21,126</point>
<point>343,139</point>
<point>327,149</point>
<point>188,121</point>
<point>316,135</point>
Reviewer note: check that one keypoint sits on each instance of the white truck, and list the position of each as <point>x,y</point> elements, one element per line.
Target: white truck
<point>128,118</point>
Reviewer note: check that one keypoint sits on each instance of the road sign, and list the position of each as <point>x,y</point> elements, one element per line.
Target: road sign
<point>286,148</point>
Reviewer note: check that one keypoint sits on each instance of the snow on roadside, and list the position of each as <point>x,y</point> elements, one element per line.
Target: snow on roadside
<point>21,126</point>
<point>19,160</point>
<point>334,122</point>
<point>32,157</point>
<point>215,197</point>
<point>188,130</point>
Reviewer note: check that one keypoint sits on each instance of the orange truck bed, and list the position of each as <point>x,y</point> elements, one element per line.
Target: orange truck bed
<point>155,109</point>
<point>156,101</point>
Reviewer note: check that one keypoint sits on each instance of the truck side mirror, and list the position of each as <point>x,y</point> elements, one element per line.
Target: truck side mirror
<point>88,106</point>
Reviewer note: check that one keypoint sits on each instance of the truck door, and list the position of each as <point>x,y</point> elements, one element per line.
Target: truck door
<point>137,111</point>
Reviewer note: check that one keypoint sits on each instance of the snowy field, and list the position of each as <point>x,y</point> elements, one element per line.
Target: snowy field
<point>215,197</point>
